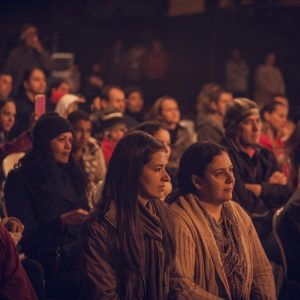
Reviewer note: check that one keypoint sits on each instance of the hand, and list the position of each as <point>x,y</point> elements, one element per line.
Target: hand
<point>12,224</point>
<point>36,44</point>
<point>254,188</point>
<point>74,217</point>
<point>277,178</point>
<point>14,227</point>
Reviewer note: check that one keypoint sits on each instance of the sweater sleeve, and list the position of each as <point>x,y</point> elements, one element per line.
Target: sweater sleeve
<point>182,285</point>
<point>101,278</point>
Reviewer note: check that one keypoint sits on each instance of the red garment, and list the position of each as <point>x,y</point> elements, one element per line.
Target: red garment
<point>278,148</point>
<point>20,144</point>
<point>108,147</point>
<point>14,283</point>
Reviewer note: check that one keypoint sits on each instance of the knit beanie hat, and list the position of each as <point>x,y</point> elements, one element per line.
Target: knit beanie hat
<point>49,126</point>
<point>111,117</point>
<point>238,110</point>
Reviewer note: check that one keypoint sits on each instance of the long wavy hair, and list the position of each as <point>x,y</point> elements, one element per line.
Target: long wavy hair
<point>121,186</point>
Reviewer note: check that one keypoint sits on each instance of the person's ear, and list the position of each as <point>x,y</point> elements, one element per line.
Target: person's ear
<point>197,182</point>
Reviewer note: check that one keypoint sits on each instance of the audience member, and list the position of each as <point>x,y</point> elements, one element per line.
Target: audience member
<point>159,132</point>
<point>114,97</point>
<point>260,187</point>
<point>6,81</point>
<point>7,119</point>
<point>237,73</point>
<point>211,106</point>
<point>58,88</point>
<point>135,104</point>
<point>289,126</point>
<point>114,128</point>
<point>67,104</point>
<point>47,192</point>
<point>34,83</point>
<point>86,149</point>
<point>166,111</point>
<point>127,241</point>
<point>30,53</point>
<point>218,252</point>
<point>274,116</point>
<point>268,80</point>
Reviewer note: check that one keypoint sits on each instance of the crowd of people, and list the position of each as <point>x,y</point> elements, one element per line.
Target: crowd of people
<point>111,200</point>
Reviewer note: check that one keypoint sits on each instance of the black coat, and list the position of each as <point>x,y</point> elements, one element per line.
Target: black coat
<point>39,207</point>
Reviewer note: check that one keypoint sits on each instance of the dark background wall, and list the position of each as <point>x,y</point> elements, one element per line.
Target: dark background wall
<point>197,44</point>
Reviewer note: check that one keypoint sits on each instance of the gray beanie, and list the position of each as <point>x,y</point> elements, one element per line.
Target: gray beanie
<point>238,110</point>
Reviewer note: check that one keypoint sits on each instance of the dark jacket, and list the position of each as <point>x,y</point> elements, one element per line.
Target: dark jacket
<point>101,261</point>
<point>289,231</point>
<point>39,208</point>
<point>257,170</point>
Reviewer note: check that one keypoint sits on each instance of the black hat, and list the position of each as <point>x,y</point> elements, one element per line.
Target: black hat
<point>237,111</point>
<point>49,126</point>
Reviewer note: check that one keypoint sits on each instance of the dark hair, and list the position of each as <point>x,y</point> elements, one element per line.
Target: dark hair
<point>194,161</point>
<point>133,89</point>
<point>57,82</point>
<point>150,127</point>
<point>26,76</point>
<point>78,115</point>
<point>121,186</point>
<point>270,107</point>
<point>28,73</point>
<point>5,73</point>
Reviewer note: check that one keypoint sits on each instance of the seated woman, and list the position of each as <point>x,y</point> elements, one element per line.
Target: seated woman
<point>47,192</point>
<point>166,110</point>
<point>127,247</point>
<point>218,252</point>
<point>158,131</point>
<point>274,115</point>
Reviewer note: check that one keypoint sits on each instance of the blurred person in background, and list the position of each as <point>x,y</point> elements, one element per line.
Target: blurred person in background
<point>237,73</point>
<point>135,104</point>
<point>211,106</point>
<point>7,119</point>
<point>6,81</point>
<point>268,80</point>
<point>166,111</point>
<point>30,53</point>
<point>114,128</point>
<point>274,116</point>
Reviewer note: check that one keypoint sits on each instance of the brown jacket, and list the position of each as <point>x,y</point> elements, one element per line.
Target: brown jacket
<point>101,259</point>
<point>198,270</point>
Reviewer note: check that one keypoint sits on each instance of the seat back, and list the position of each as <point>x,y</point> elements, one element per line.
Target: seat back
<point>10,161</point>
<point>278,239</point>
